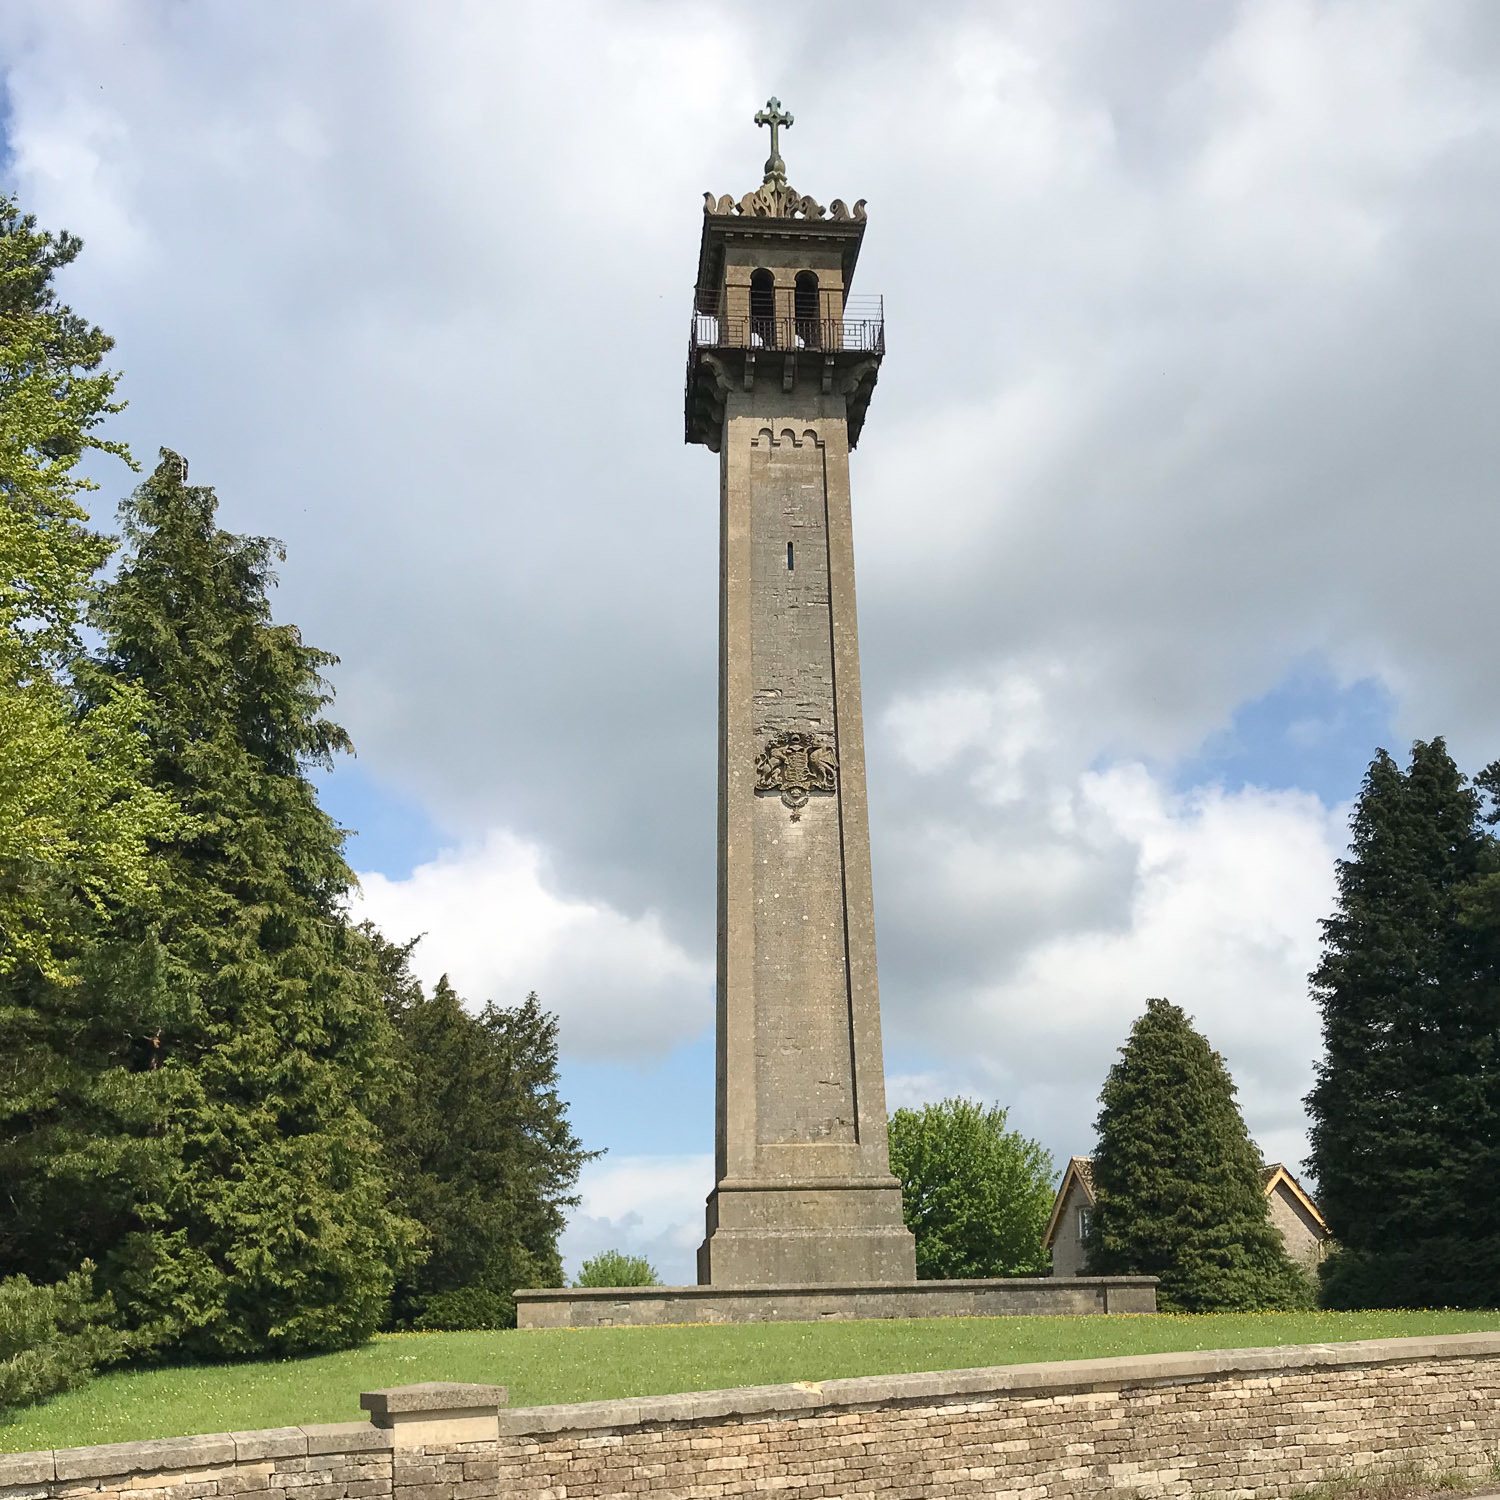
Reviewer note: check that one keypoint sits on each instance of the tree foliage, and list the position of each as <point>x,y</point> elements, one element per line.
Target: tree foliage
<point>1406,1102</point>
<point>1177,1180</point>
<point>483,1154</point>
<point>616,1268</point>
<point>269,1228</point>
<point>54,394</point>
<point>975,1194</point>
<point>55,1337</point>
<point>75,816</point>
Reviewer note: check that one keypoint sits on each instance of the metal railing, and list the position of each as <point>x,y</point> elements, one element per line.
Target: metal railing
<point>859,328</point>
<point>822,334</point>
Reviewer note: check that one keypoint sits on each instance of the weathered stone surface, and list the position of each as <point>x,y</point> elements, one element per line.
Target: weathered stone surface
<point>344,1437</point>
<point>431,1396</point>
<point>26,1468</point>
<point>568,1307</point>
<point>803,1189</point>
<point>435,1414</point>
<point>269,1442</point>
<point>134,1458</point>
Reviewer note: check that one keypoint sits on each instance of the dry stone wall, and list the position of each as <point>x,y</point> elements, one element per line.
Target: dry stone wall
<point>1244,1424</point>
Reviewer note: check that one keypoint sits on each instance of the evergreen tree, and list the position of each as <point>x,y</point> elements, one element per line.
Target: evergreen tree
<point>485,1159</point>
<point>76,812</point>
<point>975,1194</point>
<point>1403,1103</point>
<point>1480,911</point>
<point>272,1230</point>
<point>1177,1180</point>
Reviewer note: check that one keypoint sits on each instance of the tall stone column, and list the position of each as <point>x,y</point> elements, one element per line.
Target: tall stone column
<point>804,1191</point>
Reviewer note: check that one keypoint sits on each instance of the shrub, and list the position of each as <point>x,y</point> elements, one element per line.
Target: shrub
<point>615,1268</point>
<point>53,1337</point>
<point>466,1307</point>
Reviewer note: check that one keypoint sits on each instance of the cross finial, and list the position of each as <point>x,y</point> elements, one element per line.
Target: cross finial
<point>774,116</point>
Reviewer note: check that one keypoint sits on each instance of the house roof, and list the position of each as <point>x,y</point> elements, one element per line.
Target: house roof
<point>1276,1174</point>
<point>1081,1171</point>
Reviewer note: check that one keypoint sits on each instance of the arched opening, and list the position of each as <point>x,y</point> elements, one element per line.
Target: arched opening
<point>762,307</point>
<point>807,310</point>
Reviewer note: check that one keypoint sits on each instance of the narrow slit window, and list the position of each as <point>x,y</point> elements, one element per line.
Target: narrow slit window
<point>791,558</point>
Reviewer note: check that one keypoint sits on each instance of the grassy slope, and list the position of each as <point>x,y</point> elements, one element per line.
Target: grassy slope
<point>542,1367</point>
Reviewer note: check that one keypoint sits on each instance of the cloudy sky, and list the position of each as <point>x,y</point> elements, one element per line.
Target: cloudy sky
<point>1176,498</point>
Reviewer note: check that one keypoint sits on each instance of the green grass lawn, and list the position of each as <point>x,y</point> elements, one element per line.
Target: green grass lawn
<point>546,1366</point>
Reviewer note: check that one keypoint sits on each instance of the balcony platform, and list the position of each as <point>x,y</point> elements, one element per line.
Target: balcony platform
<point>830,354</point>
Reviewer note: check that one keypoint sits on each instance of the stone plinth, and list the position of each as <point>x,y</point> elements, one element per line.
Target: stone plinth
<point>436,1412</point>
<point>639,1307</point>
<point>841,1231</point>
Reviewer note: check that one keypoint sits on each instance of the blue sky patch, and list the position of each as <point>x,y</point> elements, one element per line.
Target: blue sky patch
<point>391,834</point>
<point>1309,733</point>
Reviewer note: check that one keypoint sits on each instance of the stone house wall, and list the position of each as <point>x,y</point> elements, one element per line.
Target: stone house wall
<point>1306,1241</point>
<point>1242,1424</point>
<point>1067,1244</point>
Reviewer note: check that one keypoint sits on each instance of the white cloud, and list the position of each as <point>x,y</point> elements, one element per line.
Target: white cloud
<point>491,920</point>
<point>1211,898</point>
<point>642,1205</point>
<point>1192,325</point>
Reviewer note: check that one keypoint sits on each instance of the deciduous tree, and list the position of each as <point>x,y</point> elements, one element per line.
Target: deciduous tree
<point>974,1193</point>
<point>616,1268</point>
<point>75,816</point>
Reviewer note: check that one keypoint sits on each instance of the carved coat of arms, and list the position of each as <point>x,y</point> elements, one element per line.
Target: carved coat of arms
<point>796,764</point>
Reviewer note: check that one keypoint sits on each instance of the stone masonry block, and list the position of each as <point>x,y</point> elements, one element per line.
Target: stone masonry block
<point>26,1468</point>
<point>270,1442</point>
<point>118,1459</point>
<point>344,1437</point>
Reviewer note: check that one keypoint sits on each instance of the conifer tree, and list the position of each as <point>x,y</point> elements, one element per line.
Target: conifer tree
<point>484,1156</point>
<point>76,812</point>
<point>272,1231</point>
<point>1407,1081</point>
<point>1177,1180</point>
<point>1480,911</point>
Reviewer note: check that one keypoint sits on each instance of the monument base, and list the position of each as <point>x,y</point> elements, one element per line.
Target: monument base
<point>647,1306</point>
<point>845,1231</point>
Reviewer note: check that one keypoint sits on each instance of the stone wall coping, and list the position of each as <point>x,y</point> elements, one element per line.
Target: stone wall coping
<point>1052,1378</point>
<point>433,1396</point>
<point>136,1458</point>
<point>205,1450</point>
<point>813,1288</point>
<point>269,1442</point>
<point>345,1437</point>
<point>27,1468</point>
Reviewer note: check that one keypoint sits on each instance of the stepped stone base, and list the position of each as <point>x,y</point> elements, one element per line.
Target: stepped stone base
<point>840,1231</point>
<point>645,1306</point>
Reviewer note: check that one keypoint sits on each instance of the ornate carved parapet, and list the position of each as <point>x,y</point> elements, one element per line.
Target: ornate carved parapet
<point>775,199</point>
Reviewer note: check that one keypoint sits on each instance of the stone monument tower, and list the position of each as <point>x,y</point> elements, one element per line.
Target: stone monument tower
<point>781,364</point>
